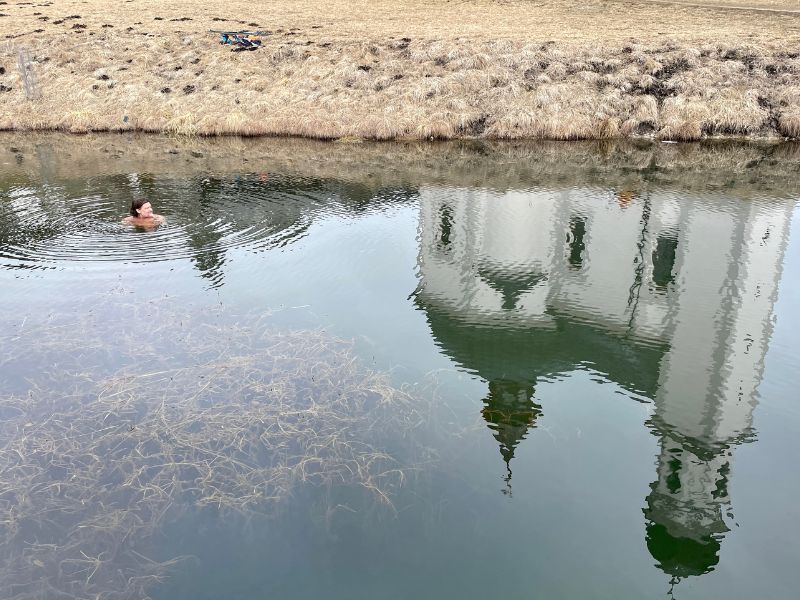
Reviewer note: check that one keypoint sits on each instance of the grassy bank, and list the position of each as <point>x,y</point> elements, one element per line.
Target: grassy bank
<point>408,69</point>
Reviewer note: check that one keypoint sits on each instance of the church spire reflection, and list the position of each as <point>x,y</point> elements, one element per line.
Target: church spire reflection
<point>510,412</point>
<point>686,508</point>
<point>523,286</point>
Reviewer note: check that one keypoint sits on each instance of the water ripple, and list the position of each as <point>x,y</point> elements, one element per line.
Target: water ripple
<point>48,226</point>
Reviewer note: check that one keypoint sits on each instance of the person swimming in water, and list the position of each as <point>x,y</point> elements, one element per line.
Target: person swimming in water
<point>142,214</point>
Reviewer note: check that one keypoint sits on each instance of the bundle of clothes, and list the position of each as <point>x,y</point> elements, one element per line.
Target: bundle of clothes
<point>240,40</point>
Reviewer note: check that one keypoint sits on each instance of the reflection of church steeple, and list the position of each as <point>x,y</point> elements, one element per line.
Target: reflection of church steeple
<point>708,379</point>
<point>685,507</point>
<point>513,359</point>
<point>510,412</point>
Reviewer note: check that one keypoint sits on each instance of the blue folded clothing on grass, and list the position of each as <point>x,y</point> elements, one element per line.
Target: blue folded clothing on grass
<point>239,42</point>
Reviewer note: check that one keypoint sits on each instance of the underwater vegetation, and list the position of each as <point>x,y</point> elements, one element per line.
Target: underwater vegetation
<point>116,426</point>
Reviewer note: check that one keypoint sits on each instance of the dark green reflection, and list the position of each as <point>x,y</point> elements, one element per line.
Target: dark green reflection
<point>664,261</point>
<point>682,556</point>
<point>686,506</point>
<point>510,411</point>
<point>577,231</point>
<point>512,360</point>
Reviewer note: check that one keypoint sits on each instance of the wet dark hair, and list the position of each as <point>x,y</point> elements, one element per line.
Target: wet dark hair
<point>137,205</point>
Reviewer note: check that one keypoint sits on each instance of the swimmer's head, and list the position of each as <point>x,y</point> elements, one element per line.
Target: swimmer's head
<point>141,208</point>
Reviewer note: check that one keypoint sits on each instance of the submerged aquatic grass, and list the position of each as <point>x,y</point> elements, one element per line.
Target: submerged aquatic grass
<point>232,417</point>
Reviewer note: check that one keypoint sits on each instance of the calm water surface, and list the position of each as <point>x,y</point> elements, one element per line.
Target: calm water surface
<point>607,339</point>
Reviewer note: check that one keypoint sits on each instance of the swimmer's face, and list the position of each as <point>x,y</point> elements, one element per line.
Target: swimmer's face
<point>146,212</point>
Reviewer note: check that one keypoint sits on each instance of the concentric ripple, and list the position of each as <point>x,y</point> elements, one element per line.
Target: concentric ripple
<point>51,226</point>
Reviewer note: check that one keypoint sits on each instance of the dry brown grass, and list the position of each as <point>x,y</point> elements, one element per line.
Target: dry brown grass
<point>784,6</point>
<point>410,69</point>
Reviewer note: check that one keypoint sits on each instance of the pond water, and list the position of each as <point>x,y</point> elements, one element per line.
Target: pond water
<point>598,343</point>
